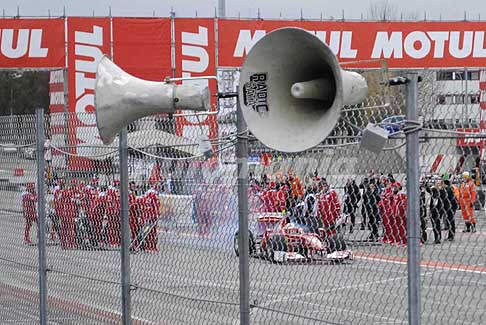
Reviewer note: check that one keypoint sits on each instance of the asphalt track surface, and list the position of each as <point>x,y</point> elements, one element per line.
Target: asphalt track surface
<point>193,280</point>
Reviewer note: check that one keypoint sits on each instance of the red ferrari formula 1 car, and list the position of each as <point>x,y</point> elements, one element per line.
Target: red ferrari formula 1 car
<point>280,240</point>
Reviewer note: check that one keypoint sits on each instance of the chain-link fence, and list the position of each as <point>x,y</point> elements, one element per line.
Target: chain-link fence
<point>327,227</point>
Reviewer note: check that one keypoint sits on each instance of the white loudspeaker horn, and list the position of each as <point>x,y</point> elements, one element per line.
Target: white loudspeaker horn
<point>121,98</point>
<point>292,90</point>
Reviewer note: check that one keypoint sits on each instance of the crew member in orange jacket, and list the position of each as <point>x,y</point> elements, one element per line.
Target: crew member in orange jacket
<point>467,198</point>
<point>29,201</point>
<point>296,186</point>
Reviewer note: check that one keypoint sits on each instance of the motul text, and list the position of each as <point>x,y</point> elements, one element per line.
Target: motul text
<point>15,44</point>
<point>88,53</point>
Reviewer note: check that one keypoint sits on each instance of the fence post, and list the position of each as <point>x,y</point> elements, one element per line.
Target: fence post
<point>413,208</point>
<point>125,227</point>
<point>243,240</point>
<point>41,210</point>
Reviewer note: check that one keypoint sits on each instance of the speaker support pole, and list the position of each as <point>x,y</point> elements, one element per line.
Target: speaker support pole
<point>243,239</point>
<point>41,209</point>
<point>413,206</point>
<point>125,230</point>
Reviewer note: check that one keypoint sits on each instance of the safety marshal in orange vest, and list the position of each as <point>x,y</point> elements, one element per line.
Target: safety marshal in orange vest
<point>467,198</point>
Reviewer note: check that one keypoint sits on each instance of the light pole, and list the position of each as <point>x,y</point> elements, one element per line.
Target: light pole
<point>222,8</point>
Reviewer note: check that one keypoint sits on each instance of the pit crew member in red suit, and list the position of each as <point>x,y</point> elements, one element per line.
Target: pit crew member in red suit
<point>29,210</point>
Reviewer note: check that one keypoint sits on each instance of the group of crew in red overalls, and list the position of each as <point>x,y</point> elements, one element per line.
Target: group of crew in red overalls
<point>316,205</point>
<point>100,210</point>
<point>322,202</point>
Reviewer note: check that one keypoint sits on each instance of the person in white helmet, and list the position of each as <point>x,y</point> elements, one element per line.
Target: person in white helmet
<point>467,198</point>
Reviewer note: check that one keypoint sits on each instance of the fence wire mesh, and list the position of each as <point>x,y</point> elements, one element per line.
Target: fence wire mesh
<point>328,239</point>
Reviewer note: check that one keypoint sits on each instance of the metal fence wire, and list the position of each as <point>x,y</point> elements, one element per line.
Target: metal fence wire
<point>327,227</point>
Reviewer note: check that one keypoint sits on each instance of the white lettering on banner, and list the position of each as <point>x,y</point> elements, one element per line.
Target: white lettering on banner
<point>334,42</point>
<point>387,46</point>
<point>194,46</point>
<point>412,39</point>
<point>347,52</point>
<point>246,41</point>
<point>439,39</point>
<point>28,42</point>
<point>319,34</point>
<point>340,43</point>
<point>393,46</point>
<point>466,48</point>
<point>195,66</point>
<point>479,48</point>
<point>87,45</point>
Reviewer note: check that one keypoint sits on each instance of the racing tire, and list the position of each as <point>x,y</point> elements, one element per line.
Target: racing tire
<point>269,251</point>
<point>304,251</point>
<point>276,243</point>
<point>236,246</point>
<point>279,243</point>
<point>335,243</point>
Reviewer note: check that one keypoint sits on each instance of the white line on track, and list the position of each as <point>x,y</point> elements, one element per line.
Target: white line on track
<point>354,286</point>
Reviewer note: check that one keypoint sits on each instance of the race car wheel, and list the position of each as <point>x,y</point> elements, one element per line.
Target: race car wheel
<point>304,251</point>
<point>269,251</point>
<point>335,243</point>
<point>236,246</point>
<point>279,243</point>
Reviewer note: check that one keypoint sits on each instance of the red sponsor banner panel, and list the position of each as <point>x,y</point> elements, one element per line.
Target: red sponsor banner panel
<point>88,41</point>
<point>195,56</point>
<point>402,44</point>
<point>32,43</point>
<point>469,141</point>
<point>142,47</point>
<point>57,117</point>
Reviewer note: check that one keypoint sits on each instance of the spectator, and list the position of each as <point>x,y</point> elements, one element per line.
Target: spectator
<point>352,198</point>
<point>436,207</point>
<point>371,198</point>
<point>423,213</point>
<point>364,187</point>
<point>451,208</point>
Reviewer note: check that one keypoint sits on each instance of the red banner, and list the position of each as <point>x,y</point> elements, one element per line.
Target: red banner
<point>195,56</point>
<point>89,40</point>
<point>141,47</point>
<point>32,43</point>
<point>402,44</point>
<point>57,121</point>
<point>467,140</point>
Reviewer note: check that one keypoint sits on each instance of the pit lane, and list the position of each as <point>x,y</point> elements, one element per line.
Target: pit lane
<point>195,280</point>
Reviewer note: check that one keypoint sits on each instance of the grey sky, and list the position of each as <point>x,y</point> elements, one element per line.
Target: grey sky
<point>435,9</point>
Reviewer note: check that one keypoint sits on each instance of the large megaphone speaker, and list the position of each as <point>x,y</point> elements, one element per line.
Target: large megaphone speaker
<point>292,90</point>
<point>121,98</point>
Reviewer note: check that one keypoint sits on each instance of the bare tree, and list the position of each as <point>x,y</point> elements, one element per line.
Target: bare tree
<point>383,10</point>
<point>386,11</point>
